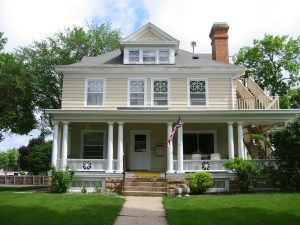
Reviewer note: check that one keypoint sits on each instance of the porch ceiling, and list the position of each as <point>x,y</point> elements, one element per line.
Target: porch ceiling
<point>162,116</point>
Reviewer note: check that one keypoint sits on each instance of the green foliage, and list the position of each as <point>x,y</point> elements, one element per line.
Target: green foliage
<point>84,189</point>
<point>65,47</point>
<point>286,140</point>
<point>39,159</point>
<point>200,182</point>
<point>274,61</point>
<point>25,150</point>
<point>3,41</point>
<point>61,180</point>
<point>247,172</point>
<point>291,100</point>
<point>97,188</point>
<point>3,160</point>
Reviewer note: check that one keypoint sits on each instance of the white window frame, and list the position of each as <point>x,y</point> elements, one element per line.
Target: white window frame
<point>134,49</point>
<point>128,91</point>
<point>104,141</point>
<point>152,91</point>
<point>155,52</point>
<point>162,49</point>
<point>188,92</point>
<point>103,93</point>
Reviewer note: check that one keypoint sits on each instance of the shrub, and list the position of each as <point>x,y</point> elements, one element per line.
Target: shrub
<point>61,180</point>
<point>39,159</point>
<point>200,182</point>
<point>286,141</point>
<point>247,172</point>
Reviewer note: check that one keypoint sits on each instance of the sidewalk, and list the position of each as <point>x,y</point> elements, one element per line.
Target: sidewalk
<point>142,211</point>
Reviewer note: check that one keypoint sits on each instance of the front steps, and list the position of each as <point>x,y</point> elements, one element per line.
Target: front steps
<point>145,186</point>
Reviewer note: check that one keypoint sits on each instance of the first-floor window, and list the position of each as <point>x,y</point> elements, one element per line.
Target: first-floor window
<point>197,92</point>
<point>198,143</point>
<point>137,92</point>
<point>94,91</point>
<point>93,145</point>
<point>160,92</point>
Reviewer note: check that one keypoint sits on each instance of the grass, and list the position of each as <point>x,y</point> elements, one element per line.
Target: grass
<point>258,209</point>
<point>17,207</point>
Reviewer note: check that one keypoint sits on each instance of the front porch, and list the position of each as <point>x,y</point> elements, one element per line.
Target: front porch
<point>112,147</point>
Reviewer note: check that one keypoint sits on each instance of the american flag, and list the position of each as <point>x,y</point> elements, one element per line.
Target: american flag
<point>177,125</point>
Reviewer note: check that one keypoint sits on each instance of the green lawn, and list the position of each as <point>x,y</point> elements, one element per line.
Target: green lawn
<point>251,209</point>
<point>57,209</point>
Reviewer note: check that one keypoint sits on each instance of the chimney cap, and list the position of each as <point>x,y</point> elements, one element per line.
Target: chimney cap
<point>221,26</point>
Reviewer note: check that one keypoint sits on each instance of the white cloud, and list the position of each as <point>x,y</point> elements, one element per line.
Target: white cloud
<point>191,20</point>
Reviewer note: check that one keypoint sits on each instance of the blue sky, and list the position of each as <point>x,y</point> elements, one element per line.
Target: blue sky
<point>23,21</point>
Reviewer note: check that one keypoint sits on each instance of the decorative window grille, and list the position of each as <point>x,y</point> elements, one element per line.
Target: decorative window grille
<point>149,56</point>
<point>137,92</point>
<point>197,92</point>
<point>134,56</point>
<point>94,92</point>
<point>160,92</point>
<point>164,56</point>
<point>93,145</point>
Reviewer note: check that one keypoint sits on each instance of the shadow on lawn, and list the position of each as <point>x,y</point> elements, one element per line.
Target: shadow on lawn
<point>230,216</point>
<point>42,215</point>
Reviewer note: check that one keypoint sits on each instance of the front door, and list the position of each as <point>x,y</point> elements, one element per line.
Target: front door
<point>140,150</point>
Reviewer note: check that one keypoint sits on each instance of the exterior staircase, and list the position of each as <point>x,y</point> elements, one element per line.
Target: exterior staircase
<point>145,186</point>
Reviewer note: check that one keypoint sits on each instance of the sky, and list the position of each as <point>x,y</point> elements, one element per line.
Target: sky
<point>23,21</point>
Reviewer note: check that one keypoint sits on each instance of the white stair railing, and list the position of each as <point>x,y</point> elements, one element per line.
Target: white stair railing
<point>247,101</point>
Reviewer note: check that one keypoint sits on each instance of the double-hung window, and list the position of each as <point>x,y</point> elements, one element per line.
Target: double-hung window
<point>160,90</point>
<point>164,56</point>
<point>93,145</point>
<point>149,56</point>
<point>94,92</point>
<point>134,56</point>
<point>137,94</point>
<point>197,92</point>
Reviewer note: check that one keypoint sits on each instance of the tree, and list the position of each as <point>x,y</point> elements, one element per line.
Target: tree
<point>65,47</point>
<point>39,159</point>
<point>291,100</point>
<point>13,158</point>
<point>286,140</point>
<point>3,161</point>
<point>16,96</point>
<point>274,62</point>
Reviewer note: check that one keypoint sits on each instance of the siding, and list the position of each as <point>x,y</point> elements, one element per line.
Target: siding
<point>219,92</point>
<point>158,135</point>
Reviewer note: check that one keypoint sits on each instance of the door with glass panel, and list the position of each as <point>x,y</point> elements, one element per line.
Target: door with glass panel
<point>140,150</point>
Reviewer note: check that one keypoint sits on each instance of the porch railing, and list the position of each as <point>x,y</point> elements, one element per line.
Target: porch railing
<point>82,165</point>
<point>201,165</point>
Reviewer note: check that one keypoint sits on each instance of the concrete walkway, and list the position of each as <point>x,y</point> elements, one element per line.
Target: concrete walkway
<point>142,211</point>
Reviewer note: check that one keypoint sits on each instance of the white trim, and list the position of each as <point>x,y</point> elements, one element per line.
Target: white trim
<point>103,92</point>
<point>145,91</point>
<point>188,91</point>
<point>148,137</point>
<point>152,91</point>
<point>214,132</point>
<point>94,131</point>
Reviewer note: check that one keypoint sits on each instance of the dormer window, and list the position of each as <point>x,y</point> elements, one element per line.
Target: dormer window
<point>134,56</point>
<point>149,56</point>
<point>164,56</point>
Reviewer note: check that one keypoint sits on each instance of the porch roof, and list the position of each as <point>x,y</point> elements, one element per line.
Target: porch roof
<point>161,116</point>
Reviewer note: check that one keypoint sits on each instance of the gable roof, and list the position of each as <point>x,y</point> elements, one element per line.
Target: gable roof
<point>149,34</point>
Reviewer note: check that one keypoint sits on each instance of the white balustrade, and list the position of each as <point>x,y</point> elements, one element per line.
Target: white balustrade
<point>81,165</point>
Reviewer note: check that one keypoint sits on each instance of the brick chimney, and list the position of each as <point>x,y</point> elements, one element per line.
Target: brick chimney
<point>219,42</point>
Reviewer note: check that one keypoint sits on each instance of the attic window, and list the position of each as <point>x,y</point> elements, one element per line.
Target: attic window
<point>134,56</point>
<point>149,56</point>
<point>164,56</point>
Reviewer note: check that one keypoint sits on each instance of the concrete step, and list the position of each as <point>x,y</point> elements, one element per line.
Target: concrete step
<point>145,179</point>
<point>145,188</point>
<point>145,193</point>
<point>148,184</point>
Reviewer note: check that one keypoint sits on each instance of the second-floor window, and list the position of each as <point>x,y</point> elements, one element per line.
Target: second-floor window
<point>197,92</point>
<point>137,96</point>
<point>94,91</point>
<point>160,93</point>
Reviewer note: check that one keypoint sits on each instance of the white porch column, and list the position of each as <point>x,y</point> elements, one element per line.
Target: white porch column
<point>64,153</point>
<point>169,150</point>
<point>120,148</point>
<point>230,140</point>
<point>55,144</point>
<point>240,140</point>
<point>110,148</point>
<point>180,150</point>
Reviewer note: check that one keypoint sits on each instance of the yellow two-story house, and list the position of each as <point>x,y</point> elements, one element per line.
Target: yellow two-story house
<point>119,108</point>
